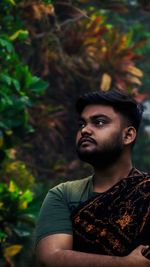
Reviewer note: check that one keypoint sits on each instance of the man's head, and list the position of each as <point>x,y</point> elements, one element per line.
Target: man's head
<point>108,124</point>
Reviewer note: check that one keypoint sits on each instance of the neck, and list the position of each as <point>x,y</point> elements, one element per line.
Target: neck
<point>105,178</point>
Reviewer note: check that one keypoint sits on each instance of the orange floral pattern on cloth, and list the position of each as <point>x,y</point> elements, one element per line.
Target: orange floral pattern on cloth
<point>124,220</point>
<point>116,221</point>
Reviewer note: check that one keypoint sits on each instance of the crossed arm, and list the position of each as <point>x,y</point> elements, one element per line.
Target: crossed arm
<point>56,251</point>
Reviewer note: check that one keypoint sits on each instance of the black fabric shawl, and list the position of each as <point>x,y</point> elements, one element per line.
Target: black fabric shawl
<point>116,221</point>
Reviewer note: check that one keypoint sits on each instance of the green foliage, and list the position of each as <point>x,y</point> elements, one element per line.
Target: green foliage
<point>142,31</point>
<point>17,170</point>
<point>15,220</point>
<point>48,1</point>
<point>19,88</point>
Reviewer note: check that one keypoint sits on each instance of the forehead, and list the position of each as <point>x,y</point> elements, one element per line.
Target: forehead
<point>94,110</point>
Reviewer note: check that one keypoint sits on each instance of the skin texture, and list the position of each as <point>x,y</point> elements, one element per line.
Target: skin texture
<point>56,250</point>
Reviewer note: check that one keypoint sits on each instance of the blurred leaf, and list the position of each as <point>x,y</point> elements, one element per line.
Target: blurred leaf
<point>28,218</point>
<point>7,45</point>
<point>12,2</point>
<point>16,84</point>
<point>135,71</point>
<point>12,187</point>
<point>22,233</point>
<point>3,236</point>
<point>18,170</point>
<point>134,80</point>
<point>38,10</point>
<point>25,198</point>
<point>12,251</point>
<point>5,78</point>
<point>38,86</point>
<point>1,204</point>
<point>105,82</point>
<point>18,34</point>
<point>66,11</point>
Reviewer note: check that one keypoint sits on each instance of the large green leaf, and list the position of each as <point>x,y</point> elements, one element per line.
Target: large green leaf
<point>6,44</point>
<point>38,86</point>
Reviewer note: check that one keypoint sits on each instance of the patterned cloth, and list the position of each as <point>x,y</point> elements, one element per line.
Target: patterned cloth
<point>116,221</point>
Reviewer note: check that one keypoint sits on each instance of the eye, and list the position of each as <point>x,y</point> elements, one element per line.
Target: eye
<point>99,122</point>
<point>81,124</point>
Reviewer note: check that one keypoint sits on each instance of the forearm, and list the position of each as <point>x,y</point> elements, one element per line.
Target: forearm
<point>69,258</point>
<point>56,251</point>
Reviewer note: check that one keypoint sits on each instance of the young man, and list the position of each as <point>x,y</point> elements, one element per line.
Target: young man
<point>102,220</point>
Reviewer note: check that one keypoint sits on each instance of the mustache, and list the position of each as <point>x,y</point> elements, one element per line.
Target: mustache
<point>84,139</point>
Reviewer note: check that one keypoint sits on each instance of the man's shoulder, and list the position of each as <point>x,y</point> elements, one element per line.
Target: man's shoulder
<point>146,180</point>
<point>73,185</point>
<point>78,183</point>
<point>144,175</point>
<point>143,183</point>
<point>74,190</point>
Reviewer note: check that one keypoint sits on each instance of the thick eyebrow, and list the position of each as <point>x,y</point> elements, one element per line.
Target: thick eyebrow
<point>100,116</point>
<point>96,117</point>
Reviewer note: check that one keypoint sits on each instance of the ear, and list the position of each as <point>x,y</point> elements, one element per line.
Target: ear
<point>129,135</point>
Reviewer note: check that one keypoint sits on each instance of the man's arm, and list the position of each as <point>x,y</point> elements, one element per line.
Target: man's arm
<point>56,251</point>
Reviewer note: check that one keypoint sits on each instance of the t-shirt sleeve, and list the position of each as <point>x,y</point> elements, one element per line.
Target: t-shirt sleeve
<point>54,216</point>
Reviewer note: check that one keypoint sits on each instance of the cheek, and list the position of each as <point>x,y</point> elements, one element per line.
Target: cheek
<point>109,134</point>
<point>78,136</point>
<point>103,134</point>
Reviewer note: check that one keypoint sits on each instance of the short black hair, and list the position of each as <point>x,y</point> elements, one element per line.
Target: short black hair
<point>122,102</point>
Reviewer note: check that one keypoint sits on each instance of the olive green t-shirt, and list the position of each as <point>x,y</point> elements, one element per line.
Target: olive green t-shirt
<point>59,202</point>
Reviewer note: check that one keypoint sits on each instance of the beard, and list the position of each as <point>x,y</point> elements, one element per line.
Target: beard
<point>103,155</point>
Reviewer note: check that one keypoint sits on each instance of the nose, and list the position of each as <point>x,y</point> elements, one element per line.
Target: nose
<point>86,130</point>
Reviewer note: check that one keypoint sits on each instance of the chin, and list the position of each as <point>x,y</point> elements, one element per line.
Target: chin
<point>86,155</point>
<point>86,151</point>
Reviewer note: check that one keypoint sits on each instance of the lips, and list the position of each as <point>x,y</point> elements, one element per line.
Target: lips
<point>86,140</point>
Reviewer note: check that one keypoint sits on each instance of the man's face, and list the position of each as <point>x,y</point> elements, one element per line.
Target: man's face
<point>99,138</point>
